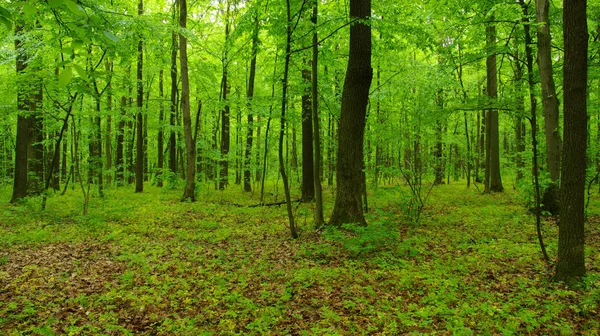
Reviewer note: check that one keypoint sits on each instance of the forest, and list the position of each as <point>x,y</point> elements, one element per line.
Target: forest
<point>299,167</point>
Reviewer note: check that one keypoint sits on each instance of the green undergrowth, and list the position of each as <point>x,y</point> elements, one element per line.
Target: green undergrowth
<point>150,264</point>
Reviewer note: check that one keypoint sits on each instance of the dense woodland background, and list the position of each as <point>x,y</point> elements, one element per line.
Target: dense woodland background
<point>114,109</point>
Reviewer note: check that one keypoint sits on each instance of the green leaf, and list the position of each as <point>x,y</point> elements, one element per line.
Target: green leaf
<point>80,71</point>
<point>29,10</point>
<point>74,8</point>
<point>6,22</point>
<point>54,3</point>
<point>5,13</point>
<point>111,36</point>
<point>76,44</point>
<point>65,77</point>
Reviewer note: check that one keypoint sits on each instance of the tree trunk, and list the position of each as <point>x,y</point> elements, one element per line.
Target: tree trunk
<point>173,106</point>
<point>108,133</point>
<point>120,163</point>
<point>24,105</point>
<point>139,164</point>
<point>550,103</point>
<point>250,96</point>
<point>494,180</point>
<point>225,112</point>
<point>190,145</point>
<point>161,120</point>
<point>350,162</point>
<point>284,90</point>
<point>571,245</point>
<point>308,183</point>
<point>315,116</point>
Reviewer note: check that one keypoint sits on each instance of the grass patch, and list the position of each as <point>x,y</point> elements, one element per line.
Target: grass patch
<point>149,264</point>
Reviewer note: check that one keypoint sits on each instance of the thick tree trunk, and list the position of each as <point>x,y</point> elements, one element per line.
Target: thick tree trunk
<point>571,245</point>
<point>139,161</point>
<point>350,162</point>
<point>550,103</point>
<point>190,145</point>
<point>493,178</point>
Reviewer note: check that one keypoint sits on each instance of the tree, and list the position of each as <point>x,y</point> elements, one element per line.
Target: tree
<point>24,105</point>
<point>493,180</point>
<point>550,104</point>
<point>139,161</point>
<point>190,145</point>
<point>355,96</point>
<point>571,252</point>
<point>315,116</point>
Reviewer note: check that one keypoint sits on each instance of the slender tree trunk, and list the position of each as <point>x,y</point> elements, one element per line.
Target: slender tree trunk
<point>120,163</point>
<point>190,145</point>
<point>308,183</point>
<point>286,186</point>
<point>161,120</point>
<point>139,166</point>
<point>250,96</point>
<point>571,245</point>
<point>319,221</point>
<point>173,106</point>
<point>108,133</point>
<point>534,144</point>
<point>225,124</point>
<point>350,162</point>
<point>550,103</point>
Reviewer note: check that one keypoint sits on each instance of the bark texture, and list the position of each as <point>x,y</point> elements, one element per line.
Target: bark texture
<point>350,160</point>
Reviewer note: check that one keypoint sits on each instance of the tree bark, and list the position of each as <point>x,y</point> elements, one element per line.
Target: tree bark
<point>315,116</point>
<point>173,106</point>
<point>284,90</point>
<point>571,245</point>
<point>308,183</point>
<point>250,96</point>
<point>161,120</point>
<point>190,145</point>
<point>493,178</point>
<point>225,112</point>
<point>350,161</point>
<point>24,104</point>
<point>139,164</point>
<point>550,104</point>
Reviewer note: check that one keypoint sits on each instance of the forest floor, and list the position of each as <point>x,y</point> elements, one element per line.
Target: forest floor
<point>149,264</point>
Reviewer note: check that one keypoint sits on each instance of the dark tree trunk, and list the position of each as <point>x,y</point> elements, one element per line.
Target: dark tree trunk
<point>190,145</point>
<point>308,183</point>
<point>571,245</point>
<point>108,133</point>
<point>173,106</point>
<point>225,131</point>
<point>493,178</point>
<point>438,152</point>
<point>139,160</point>
<point>161,120</point>
<point>250,96</point>
<point>550,103</point>
<point>319,221</point>
<point>350,162</point>
<point>120,163</point>
<point>284,90</point>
